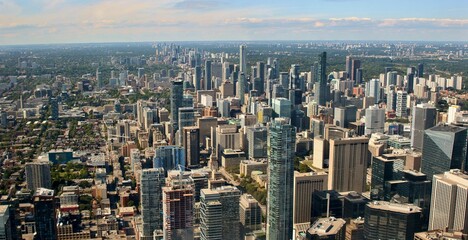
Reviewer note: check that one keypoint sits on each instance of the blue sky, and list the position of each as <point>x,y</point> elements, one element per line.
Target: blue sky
<point>60,21</point>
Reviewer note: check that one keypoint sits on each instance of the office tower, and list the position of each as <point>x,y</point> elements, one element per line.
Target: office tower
<point>391,100</point>
<point>219,213</point>
<point>186,119</point>
<point>359,76</point>
<point>224,107</point>
<point>44,214</point>
<point>191,143</point>
<point>38,175</point>
<point>206,124</point>
<point>321,80</point>
<point>444,148</point>
<point>451,114</point>
<point>169,157</point>
<point>327,228</point>
<point>355,65</point>
<point>227,89</point>
<point>424,117</point>
<point>392,78</point>
<point>354,205</point>
<point>176,103</point>
<point>348,66</point>
<point>448,204</point>
<point>305,184</point>
<point>207,80</point>
<point>385,168</point>
<point>241,88</point>
<point>242,60</point>
<point>250,213</point>
<point>178,203</point>
<point>226,137</point>
<point>256,141</point>
<point>197,77</point>
<point>384,220</point>
<point>151,182</point>
<point>401,103</point>
<point>410,83</point>
<point>259,85</point>
<point>200,181</point>
<point>281,150</point>
<point>348,164</point>
<point>420,70</point>
<point>7,226</point>
<point>344,115</point>
<point>375,120</point>
<point>282,107</point>
<point>373,89</point>
<point>134,157</point>
<point>326,203</point>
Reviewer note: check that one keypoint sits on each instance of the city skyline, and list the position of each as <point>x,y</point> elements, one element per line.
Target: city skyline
<point>60,21</point>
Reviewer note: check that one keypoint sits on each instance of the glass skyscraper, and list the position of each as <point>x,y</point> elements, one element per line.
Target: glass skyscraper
<point>321,80</point>
<point>177,89</point>
<point>444,148</point>
<point>281,148</point>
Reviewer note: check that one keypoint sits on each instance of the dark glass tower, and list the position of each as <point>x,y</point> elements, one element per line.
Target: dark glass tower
<point>444,148</point>
<point>207,75</point>
<point>177,89</point>
<point>424,117</point>
<point>321,80</point>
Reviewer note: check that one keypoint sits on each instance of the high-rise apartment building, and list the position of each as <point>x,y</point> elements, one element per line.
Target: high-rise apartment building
<point>151,183</point>
<point>242,58</point>
<point>38,175</point>
<point>375,120</point>
<point>281,150</point>
<point>177,89</point>
<point>219,213</point>
<point>401,104</point>
<point>321,80</point>
<point>178,202</point>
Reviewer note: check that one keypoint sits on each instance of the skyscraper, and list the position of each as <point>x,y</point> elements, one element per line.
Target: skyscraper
<point>321,80</point>
<point>242,60</point>
<point>151,182</point>
<point>176,103</point>
<point>241,88</point>
<point>259,85</point>
<point>7,226</point>
<point>375,120</point>
<point>281,150</point>
<point>220,213</point>
<point>197,77</point>
<point>420,70</point>
<point>191,143</point>
<point>444,148</point>
<point>355,65</point>
<point>424,117</point>
<point>38,175</point>
<point>384,220</point>
<point>282,107</point>
<point>44,214</point>
<point>348,164</point>
<point>373,89</point>
<point>207,80</point>
<point>178,201</point>
<point>448,202</point>
<point>99,80</point>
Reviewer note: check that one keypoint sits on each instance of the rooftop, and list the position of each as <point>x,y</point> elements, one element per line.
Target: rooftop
<point>327,226</point>
<point>394,207</point>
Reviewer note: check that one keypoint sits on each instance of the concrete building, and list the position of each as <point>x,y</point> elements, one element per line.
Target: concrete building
<point>348,164</point>
<point>375,120</point>
<point>448,203</point>
<point>304,185</point>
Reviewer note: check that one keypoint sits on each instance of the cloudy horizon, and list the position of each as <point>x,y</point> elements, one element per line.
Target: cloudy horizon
<point>81,21</point>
